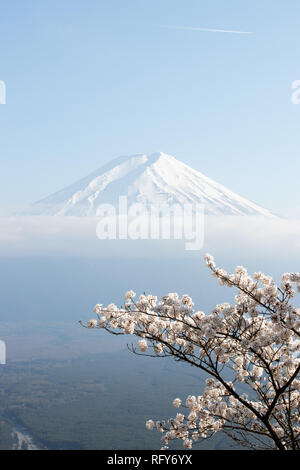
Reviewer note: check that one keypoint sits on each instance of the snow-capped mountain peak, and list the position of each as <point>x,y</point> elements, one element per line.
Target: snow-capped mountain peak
<point>153,179</point>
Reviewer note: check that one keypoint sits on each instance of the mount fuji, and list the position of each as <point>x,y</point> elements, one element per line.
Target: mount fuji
<point>154,179</point>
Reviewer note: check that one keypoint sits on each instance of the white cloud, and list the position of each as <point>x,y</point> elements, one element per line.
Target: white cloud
<point>235,238</point>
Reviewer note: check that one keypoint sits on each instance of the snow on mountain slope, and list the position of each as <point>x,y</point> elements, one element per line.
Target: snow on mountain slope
<point>149,179</point>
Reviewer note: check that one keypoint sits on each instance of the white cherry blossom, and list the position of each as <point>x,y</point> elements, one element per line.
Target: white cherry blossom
<point>256,339</point>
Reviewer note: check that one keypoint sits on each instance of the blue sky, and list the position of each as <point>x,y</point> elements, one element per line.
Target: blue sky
<point>88,81</point>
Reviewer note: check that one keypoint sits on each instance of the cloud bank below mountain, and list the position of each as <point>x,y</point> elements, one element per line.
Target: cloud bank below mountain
<point>235,238</point>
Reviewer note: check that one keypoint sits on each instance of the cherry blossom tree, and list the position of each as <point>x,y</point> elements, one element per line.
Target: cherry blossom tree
<point>254,342</point>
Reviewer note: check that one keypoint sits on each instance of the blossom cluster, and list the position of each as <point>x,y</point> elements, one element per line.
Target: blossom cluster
<point>257,339</point>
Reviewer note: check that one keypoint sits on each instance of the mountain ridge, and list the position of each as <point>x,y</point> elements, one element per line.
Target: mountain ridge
<point>153,179</point>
